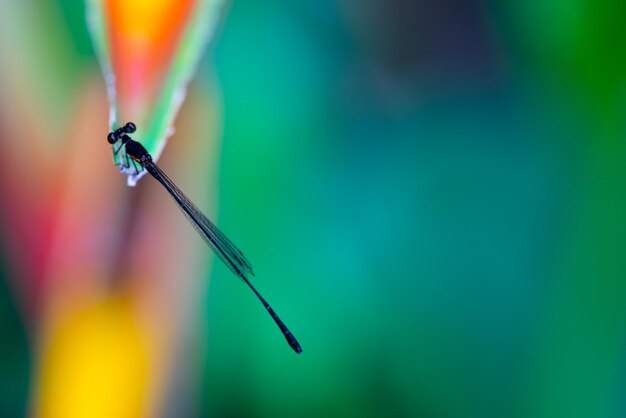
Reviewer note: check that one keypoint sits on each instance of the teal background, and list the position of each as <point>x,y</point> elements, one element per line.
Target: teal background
<point>433,197</point>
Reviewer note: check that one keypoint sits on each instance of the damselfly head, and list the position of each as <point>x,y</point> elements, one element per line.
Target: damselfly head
<point>121,133</point>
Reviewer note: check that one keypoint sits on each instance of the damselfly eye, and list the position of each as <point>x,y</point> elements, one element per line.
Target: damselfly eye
<point>130,127</point>
<point>111,138</point>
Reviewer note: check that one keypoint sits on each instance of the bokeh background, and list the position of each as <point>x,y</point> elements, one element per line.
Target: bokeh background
<point>432,194</point>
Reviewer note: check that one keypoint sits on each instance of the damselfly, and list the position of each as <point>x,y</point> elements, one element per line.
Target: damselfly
<point>226,251</point>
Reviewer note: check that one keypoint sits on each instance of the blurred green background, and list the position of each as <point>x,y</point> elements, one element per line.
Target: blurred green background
<point>433,196</point>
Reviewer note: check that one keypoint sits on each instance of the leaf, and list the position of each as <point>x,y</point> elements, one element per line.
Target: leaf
<point>149,51</point>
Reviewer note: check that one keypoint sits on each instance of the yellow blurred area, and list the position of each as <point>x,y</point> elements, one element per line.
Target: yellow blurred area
<point>96,362</point>
<point>158,18</point>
